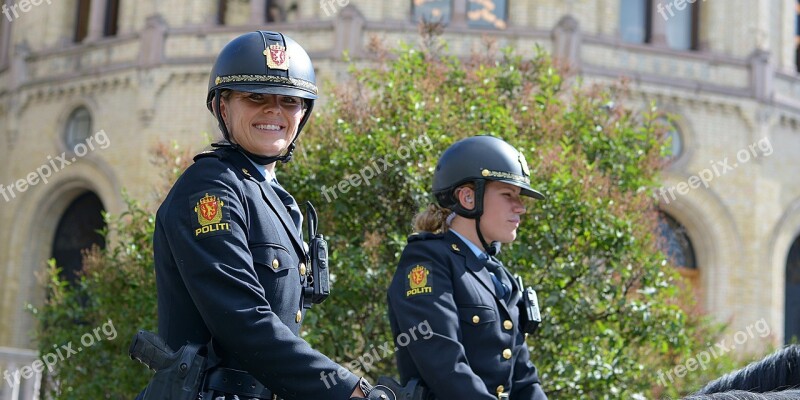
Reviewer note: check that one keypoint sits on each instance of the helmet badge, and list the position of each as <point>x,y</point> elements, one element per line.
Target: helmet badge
<point>524,164</point>
<point>276,57</point>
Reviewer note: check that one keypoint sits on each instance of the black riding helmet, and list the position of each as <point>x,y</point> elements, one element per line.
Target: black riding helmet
<point>476,160</point>
<point>263,62</point>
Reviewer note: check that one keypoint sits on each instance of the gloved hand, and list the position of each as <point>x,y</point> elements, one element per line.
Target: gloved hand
<point>378,392</point>
<point>413,390</point>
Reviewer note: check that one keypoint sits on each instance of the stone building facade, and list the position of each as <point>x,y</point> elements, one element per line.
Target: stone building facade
<point>88,87</point>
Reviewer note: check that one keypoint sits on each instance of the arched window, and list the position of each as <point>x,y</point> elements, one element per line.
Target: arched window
<point>79,127</point>
<point>681,26</point>
<point>491,14</point>
<point>677,246</point>
<point>5,33</point>
<point>275,11</point>
<point>792,294</point>
<point>432,10</point>
<point>674,24</point>
<point>82,20</point>
<point>634,21</point>
<point>797,36</point>
<point>111,21</point>
<point>77,231</point>
<point>675,242</point>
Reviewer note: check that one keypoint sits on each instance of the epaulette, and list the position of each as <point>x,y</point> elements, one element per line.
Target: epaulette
<point>217,152</point>
<point>418,236</point>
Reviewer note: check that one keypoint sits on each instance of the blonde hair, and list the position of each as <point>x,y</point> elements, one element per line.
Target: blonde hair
<point>435,218</point>
<point>432,219</point>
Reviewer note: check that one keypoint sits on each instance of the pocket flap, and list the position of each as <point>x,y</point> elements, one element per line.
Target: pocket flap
<point>477,315</point>
<point>272,256</point>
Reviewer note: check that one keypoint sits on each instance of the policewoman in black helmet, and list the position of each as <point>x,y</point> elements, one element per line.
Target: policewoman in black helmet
<point>448,276</point>
<point>229,254</point>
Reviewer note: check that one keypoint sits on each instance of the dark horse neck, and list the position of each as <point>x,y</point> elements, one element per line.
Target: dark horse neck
<point>777,372</point>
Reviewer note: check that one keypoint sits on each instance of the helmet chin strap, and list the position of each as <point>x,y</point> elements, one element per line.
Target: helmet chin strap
<point>476,213</point>
<point>492,249</point>
<point>263,160</point>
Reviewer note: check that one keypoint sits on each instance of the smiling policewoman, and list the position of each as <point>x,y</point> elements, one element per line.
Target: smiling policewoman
<point>231,264</point>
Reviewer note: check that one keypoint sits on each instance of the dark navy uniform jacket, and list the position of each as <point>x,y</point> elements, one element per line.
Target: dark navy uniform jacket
<point>228,261</point>
<point>476,348</point>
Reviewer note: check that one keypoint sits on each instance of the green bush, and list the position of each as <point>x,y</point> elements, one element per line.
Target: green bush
<point>116,292</point>
<point>610,299</point>
<point>612,308</point>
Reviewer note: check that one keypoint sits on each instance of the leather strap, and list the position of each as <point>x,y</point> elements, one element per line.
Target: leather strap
<point>240,383</point>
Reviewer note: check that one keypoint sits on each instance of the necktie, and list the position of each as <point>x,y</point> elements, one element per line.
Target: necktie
<point>501,283</point>
<point>291,205</point>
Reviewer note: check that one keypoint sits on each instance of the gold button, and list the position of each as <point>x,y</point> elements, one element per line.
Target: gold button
<point>508,324</point>
<point>302,269</point>
<point>476,319</point>
<point>507,354</point>
<point>500,389</point>
<point>299,316</point>
<point>276,263</point>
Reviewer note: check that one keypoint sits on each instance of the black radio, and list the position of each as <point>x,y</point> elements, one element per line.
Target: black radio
<point>317,284</point>
<point>529,316</point>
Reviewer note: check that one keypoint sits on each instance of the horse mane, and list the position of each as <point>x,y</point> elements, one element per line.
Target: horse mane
<point>778,371</point>
<point>743,395</point>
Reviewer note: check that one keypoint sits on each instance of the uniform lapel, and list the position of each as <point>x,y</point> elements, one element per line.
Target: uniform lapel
<point>272,199</point>
<point>475,266</point>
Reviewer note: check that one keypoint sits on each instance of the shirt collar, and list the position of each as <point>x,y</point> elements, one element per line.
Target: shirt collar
<point>263,170</point>
<point>475,249</point>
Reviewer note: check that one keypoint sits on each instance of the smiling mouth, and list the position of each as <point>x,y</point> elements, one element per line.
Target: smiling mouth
<point>269,127</point>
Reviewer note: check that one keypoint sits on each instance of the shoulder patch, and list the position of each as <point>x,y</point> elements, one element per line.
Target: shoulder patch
<point>211,214</point>
<point>417,236</point>
<point>418,282</point>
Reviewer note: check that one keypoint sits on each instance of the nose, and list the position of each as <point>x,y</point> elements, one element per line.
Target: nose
<point>271,104</point>
<point>519,207</point>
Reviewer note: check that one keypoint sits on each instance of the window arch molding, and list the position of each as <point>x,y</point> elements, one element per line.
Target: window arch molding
<point>713,232</point>
<point>30,246</point>
<point>780,242</point>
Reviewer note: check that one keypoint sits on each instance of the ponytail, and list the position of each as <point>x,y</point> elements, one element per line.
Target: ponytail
<point>433,219</point>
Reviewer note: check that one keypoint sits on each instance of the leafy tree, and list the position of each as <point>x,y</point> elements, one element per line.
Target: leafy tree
<point>611,302</point>
<point>610,299</point>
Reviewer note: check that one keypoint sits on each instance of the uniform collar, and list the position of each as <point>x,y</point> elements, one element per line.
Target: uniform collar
<point>480,254</point>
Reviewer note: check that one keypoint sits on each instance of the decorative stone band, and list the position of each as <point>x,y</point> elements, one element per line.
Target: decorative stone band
<point>267,78</point>
<point>505,175</point>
